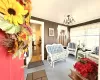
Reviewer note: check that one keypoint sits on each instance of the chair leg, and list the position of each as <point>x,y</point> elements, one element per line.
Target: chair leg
<point>53,64</point>
<point>47,58</point>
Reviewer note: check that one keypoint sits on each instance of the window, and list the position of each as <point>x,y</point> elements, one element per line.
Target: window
<point>88,34</point>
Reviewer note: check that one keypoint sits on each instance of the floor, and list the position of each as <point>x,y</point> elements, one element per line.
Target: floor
<point>59,72</point>
<point>36,54</point>
<point>36,58</point>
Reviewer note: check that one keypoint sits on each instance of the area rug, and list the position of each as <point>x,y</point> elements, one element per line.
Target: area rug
<point>35,64</point>
<point>39,75</point>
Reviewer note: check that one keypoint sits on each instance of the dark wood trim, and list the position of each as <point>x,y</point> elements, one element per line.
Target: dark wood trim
<point>86,23</point>
<point>40,19</point>
<point>69,29</point>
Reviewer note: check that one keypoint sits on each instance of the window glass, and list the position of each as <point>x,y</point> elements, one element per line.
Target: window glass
<point>87,35</point>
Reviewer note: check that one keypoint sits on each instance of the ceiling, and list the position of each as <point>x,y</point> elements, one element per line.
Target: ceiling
<point>54,10</point>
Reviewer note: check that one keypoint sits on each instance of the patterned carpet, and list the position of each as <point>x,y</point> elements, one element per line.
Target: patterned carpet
<point>39,75</point>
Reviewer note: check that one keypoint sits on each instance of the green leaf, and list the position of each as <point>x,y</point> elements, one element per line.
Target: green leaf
<point>14,29</point>
<point>9,28</point>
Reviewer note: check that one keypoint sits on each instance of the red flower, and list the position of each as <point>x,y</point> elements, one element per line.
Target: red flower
<point>86,67</point>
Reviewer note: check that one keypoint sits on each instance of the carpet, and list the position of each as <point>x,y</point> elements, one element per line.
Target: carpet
<point>39,75</point>
<point>35,64</point>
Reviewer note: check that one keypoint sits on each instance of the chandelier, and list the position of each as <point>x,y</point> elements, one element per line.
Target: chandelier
<point>68,20</point>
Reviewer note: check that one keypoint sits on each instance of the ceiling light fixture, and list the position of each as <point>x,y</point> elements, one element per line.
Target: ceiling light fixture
<point>68,20</point>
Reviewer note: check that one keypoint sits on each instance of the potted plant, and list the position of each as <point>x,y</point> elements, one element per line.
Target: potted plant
<point>87,68</point>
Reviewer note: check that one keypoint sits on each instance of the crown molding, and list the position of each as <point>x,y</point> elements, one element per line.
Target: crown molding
<point>86,23</point>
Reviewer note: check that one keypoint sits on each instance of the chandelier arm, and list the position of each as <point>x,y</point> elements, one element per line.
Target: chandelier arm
<point>68,20</point>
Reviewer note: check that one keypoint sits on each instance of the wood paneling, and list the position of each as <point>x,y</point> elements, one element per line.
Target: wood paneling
<point>50,39</point>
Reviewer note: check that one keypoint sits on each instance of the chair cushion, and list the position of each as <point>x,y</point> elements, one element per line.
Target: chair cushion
<point>55,48</point>
<point>49,48</point>
<point>72,45</point>
<point>60,55</point>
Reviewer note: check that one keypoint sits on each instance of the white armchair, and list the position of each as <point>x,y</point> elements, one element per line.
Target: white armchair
<point>72,48</point>
<point>55,52</point>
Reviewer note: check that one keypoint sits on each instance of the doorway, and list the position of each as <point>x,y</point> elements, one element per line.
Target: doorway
<point>36,42</point>
<point>36,48</point>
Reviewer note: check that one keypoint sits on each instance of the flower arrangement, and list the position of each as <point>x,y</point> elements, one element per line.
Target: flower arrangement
<point>15,22</point>
<point>87,68</point>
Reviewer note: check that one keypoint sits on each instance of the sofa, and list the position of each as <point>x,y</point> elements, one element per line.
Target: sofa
<point>55,52</point>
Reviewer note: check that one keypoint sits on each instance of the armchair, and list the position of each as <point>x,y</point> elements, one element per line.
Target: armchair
<point>72,48</point>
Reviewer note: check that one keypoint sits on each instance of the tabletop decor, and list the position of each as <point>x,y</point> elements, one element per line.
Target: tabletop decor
<point>87,68</point>
<point>15,22</point>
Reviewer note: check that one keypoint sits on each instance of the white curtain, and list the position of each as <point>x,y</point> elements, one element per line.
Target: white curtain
<point>62,37</point>
<point>88,34</point>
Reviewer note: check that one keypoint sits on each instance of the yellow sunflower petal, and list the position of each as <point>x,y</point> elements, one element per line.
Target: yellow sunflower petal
<point>25,12</point>
<point>2,10</point>
<point>20,19</point>
<point>2,5</point>
<point>15,20</point>
<point>6,17</point>
<point>10,18</point>
<point>5,3</point>
<point>12,2</point>
<point>13,11</point>
<point>21,9</point>
<point>19,5</point>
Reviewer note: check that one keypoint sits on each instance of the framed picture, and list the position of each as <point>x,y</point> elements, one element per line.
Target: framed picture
<point>51,31</point>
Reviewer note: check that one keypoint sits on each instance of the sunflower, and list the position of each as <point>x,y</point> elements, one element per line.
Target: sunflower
<point>13,11</point>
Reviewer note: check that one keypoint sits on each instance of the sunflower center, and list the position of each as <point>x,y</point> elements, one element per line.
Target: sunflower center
<point>11,11</point>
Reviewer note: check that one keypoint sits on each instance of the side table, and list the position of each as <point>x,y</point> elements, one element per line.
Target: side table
<point>81,54</point>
